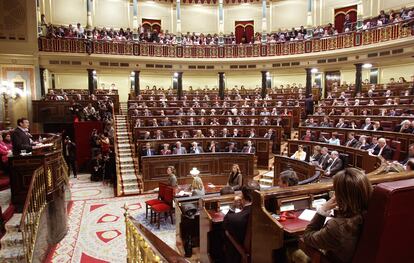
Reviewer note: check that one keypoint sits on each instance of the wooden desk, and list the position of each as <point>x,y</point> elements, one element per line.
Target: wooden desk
<point>286,121</point>
<point>214,167</point>
<point>405,139</point>
<point>243,130</point>
<point>264,147</point>
<point>303,169</point>
<point>356,157</point>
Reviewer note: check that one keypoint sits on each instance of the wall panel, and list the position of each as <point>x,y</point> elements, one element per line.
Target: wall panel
<point>242,12</point>
<point>199,18</point>
<point>287,14</point>
<point>112,13</point>
<point>68,12</point>
<point>121,81</point>
<point>405,70</point>
<point>155,10</point>
<point>71,80</point>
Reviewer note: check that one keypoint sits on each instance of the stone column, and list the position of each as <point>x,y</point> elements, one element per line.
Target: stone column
<point>360,15</point>
<point>309,20</point>
<point>178,6</point>
<point>89,9</point>
<point>264,84</point>
<point>91,80</point>
<point>179,85</point>
<point>308,91</point>
<point>222,85</point>
<point>358,77</point>
<point>42,81</point>
<point>221,22</point>
<point>264,21</point>
<point>135,19</point>
<point>137,88</point>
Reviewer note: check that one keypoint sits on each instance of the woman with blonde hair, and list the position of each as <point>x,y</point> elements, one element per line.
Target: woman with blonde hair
<point>339,236</point>
<point>235,180</point>
<point>197,187</point>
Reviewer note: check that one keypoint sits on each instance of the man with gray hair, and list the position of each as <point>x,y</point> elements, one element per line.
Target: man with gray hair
<point>334,164</point>
<point>367,125</point>
<point>382,149</point>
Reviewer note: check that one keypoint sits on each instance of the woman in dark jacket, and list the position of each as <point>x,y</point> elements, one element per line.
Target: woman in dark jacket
<point>235,180</point>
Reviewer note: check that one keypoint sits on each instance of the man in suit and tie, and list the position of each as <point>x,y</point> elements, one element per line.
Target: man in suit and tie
<point>148,151</point>
<point>225,133</point>
<point>158,135</point>
<point>195,148</point>
<point>341,123</point>
<point>351,140</point>
<point>231,148</point>
<point>323,160</point>
<point>179,149</point>
<point>249,148</point>
<point>382,149</point>
<point>235,224</point>
<point>69,153</point>
<point>235,133</point>
<point>191,122</point>
<point>269,134</point>
<point>334,164</point>
<point>166,122</point>
<point>21,138</point>
<point>367,125</point>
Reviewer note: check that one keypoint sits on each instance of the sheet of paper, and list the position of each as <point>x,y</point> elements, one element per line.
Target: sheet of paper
<point>211,185</point>
<point>224,209</point>
<point>287,207</point>
<point>307,215</point>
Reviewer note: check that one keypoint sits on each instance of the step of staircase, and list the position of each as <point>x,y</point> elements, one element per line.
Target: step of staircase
<point>11,239</point>
<point>12,255</point>
<point>265,181</point>
<point>14,223</point>
<point>131,192</point>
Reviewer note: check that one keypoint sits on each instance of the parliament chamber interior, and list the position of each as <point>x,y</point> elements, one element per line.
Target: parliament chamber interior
<point>251,131</point>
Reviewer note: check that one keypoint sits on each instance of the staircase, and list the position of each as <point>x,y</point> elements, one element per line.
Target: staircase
<point>130,182</point>
<point>11,241</point>
<point>267,180</point>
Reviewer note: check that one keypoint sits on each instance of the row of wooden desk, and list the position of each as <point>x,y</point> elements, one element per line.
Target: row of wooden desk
<point>264,147</point>
<point>214,167</point>
<point>404,139</point>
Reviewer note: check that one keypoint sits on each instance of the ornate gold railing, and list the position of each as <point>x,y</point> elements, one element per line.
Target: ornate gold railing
<point>35,203</point>
<point>144,247</point>
<point>132,48</point>
<point>43,182</point>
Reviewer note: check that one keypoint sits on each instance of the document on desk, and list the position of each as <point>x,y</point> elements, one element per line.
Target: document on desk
<point>308,214</point>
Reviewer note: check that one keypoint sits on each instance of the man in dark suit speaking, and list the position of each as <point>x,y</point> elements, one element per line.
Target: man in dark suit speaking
<point>21,138</point>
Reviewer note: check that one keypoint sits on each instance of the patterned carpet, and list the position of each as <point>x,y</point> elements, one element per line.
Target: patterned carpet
<point>96,224</point>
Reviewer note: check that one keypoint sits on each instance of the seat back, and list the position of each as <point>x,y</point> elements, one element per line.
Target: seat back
<point>396,146</point>
<point>388,229</point>
<point>345,159</point>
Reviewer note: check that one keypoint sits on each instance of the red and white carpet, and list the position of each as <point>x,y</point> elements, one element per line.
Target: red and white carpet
<point>97,227</point>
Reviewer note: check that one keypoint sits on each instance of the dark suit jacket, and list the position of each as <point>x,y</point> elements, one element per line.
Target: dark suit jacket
<point>387,152</point>
<point>20,141</point>
<point>336,166</point>
<point>351,143</point>
<point>339,125</point>
<point>145,152</point>
<point>323,161</point>
<point>246,149</point>
<point>236,223</point>
<point>71,154</point>
<point>368,128</point>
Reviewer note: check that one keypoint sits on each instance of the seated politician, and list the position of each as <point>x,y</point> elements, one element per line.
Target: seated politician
<point>235,180</point>
<point>288,178</point>
<point>338,237</point>
<point>235,223</point>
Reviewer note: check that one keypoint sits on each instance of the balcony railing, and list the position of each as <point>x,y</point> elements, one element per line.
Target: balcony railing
<point>131,48</point>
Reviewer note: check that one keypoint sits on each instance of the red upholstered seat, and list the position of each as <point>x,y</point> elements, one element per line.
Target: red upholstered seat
<point>161,208</point>
<point>388,232</point>
<point>153,202</point>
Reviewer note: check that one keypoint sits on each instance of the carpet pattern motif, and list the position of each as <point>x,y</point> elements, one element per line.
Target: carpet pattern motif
<point>97,228</point>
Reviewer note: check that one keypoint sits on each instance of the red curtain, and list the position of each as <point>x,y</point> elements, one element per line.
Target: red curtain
<point>83,132</point>
<point>151,24</point>
<point>244,31</point>
<point>340,14</point>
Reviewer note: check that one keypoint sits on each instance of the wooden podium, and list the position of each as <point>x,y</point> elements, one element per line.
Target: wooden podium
<point>38,180</point>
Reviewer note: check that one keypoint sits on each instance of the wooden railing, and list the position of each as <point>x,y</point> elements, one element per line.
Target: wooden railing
<point>36,200</point>
<point>131,48</point>
<point>33,208</point>
<point>145,247</point>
